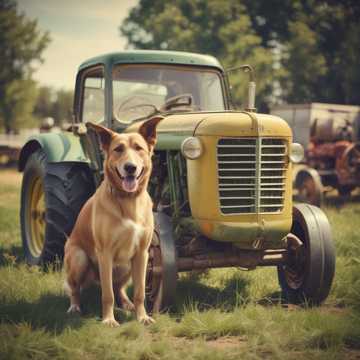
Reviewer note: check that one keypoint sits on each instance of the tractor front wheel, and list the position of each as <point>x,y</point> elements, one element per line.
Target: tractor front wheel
<point>307,276</point>
<point>161,274</point>
<point>51,198</point>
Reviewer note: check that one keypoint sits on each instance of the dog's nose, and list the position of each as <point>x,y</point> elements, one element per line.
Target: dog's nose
<point>130,168</point>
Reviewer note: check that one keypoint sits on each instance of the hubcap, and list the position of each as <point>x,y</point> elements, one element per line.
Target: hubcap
<point>36,217</point>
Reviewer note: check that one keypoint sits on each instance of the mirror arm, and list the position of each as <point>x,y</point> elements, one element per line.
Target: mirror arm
<point>252,85</point>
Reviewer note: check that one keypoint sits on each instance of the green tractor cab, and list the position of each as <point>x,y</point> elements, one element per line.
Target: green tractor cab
<point>221,184</point>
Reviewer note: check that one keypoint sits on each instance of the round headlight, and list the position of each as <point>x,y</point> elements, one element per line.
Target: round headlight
<point>296,152</point>
<point>191,148</point>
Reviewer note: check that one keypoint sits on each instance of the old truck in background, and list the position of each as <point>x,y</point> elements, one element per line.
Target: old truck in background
<point>330,134</point>
<point>221,184</point>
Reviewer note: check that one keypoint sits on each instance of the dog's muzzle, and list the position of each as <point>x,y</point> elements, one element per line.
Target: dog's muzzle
<point>127,175</point>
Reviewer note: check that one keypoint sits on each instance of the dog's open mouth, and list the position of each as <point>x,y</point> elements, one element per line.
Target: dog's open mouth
<point>130,183</point>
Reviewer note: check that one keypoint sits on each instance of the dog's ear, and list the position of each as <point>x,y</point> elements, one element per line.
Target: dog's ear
<point>105,134</point>
<point>148,131</point>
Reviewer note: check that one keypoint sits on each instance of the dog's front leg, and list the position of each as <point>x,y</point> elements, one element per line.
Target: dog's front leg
<point>107,294</point>
<point>138,269</point>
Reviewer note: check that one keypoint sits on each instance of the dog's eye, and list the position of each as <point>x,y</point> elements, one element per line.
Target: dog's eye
<point>119,148</point>
<point>138,147</point>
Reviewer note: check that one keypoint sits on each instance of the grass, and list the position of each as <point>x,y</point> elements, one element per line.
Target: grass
<point>219,314</point>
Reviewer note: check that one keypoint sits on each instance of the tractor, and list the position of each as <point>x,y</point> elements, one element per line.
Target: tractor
<point>221,183</point>
<point>330,134</point>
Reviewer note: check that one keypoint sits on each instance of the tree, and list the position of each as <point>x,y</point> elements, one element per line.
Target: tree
<point>22,44</point>
<point>304,65</point>
<point>62,107</point>
<point>329,59</point>
<point>44,102</point>
<point>55,104</point>
<point>216,27</point>
<point>308,49</point>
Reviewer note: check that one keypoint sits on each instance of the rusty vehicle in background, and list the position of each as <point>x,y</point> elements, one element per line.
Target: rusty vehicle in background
<point>330,134</point>
<point>11,144</point>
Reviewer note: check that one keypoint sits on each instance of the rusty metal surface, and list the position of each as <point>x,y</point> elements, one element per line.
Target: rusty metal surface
<point>246,259</point>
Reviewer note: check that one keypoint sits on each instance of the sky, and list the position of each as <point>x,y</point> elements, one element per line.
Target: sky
<point>79,29</point>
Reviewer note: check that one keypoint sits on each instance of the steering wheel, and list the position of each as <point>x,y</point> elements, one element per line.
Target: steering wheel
<point>131,102</point>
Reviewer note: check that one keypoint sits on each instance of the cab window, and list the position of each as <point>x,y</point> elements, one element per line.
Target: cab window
<point>93,101</point>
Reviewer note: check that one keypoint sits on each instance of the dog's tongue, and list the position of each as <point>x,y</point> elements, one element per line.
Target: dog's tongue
<point>129,184</point>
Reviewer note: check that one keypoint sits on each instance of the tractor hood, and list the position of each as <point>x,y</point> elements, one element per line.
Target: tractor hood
<point>176,127</point>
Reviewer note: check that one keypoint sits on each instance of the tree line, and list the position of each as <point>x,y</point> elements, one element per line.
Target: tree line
<point>23,103</point>
<point>302,50</point>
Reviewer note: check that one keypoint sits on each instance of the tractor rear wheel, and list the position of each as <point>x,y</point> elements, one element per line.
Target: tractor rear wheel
<point>51,198</point>
<point>307,276</point>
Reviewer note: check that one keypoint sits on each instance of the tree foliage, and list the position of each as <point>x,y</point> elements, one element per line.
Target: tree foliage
<point>55,104</point>
<point>303,50</point>
<point>21,44</point>
<point>220,28</point>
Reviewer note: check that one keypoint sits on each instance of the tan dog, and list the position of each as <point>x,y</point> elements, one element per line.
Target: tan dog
<point>114,229</point>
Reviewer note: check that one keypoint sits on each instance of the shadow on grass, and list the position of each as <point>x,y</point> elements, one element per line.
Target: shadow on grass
<point>50,311</point>
<point>190,292</point>
<point>273,299</point>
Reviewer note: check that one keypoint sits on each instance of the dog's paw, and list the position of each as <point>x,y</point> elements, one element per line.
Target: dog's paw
<point>74,309</point>
<point>111,322</point>
<point>146,320</point>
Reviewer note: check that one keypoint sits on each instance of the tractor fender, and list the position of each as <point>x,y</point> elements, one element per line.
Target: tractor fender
<point>315,193</point>
<point>58,147</point>
<point>307,171</point>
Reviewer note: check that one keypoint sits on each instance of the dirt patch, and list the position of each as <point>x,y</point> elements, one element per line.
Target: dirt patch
<point>10,177</point>
<point>352,354</point>
<point>227,342</point>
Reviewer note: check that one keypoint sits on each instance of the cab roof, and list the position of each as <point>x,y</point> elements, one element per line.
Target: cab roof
<point>153,57</point>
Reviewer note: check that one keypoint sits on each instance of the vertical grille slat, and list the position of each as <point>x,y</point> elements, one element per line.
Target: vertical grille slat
<point>251,173</point>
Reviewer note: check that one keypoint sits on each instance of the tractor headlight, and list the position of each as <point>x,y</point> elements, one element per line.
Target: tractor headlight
<point>296,152</point>
<point>191,148</point>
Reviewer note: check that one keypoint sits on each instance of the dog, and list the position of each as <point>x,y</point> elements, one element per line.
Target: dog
<point>112,234</point>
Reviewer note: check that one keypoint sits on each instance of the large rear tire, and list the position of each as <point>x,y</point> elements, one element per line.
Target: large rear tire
<point>308,274</point>
<point>52,196</point>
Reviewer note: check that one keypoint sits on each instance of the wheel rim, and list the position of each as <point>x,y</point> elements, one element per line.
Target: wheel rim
<point>295,268</point>
<point>36,217</point>
<point>154,277</point>
<point>294,271</point>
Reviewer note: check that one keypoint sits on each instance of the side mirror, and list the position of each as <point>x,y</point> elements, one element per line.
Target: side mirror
<point>252,85</point>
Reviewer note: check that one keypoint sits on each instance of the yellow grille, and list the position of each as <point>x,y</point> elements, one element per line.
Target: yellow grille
<point>251,173</point>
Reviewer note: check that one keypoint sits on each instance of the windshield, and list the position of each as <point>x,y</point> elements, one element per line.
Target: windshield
<point>140,90</point>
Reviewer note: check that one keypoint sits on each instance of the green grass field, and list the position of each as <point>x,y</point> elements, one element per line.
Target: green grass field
<point>221,314</point>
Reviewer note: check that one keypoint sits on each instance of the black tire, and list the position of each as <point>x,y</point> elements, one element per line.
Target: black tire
<point>66,187</point>
<point>161,274</point>
<point>308,276</point>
